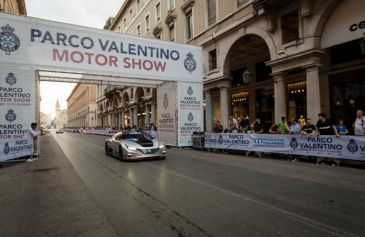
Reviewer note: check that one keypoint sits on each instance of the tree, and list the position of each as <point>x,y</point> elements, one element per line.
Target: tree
<point>108,23</point>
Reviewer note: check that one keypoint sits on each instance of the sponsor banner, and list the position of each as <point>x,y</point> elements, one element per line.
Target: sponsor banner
<point>71,48</point>
<point>166,113</point>
<point>190,111</point>
<point>17,112</point>
<point>344,147</point>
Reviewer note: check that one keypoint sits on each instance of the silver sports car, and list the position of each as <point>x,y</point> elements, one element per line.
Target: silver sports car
<point>134,146</point>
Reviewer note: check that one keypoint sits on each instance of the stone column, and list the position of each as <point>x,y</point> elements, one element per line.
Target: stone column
<point>131,117</point>
<point>280,97</point>
<point>313,92</point>
<point>208,112</point>
<point>147,118</point>
<point>121,119</point>
<point>224,106</point>
<point>135,116</point>
<point>153,114</point>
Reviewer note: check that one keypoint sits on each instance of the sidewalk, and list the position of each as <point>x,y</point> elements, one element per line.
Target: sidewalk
<point>47,197</point>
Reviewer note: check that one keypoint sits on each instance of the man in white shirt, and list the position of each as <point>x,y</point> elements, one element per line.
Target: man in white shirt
<point>34,133</point>
<point>359,125</point>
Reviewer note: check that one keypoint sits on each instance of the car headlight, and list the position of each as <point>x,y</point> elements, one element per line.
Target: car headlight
<point>162,146</point>
<point>132,148</point>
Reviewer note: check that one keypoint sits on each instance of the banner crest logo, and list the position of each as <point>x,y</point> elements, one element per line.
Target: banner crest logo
<point>294,143</point>
<point>165,102</point>
<point>10,79</point>
<point>10,116</point>
<point>6,149</point>
<point>352,146</point>
<point>190,63</point>
<point>9,41</point>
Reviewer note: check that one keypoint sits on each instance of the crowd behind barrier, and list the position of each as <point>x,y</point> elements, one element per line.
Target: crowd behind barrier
<point>344,147</point>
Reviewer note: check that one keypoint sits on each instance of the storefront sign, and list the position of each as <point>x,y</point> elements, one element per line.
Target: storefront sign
<point>17,110</point>
<point>345,24</point>
<point>344,147</point>
<point>190,117</point>
<point>167,113</point>
<point>51,45</point>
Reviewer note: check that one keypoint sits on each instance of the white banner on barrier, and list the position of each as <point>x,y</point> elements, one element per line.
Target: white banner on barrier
<point>17,112</point>
<point>190,111</point>
<point>167,112</point>
<point>54,45</point>
<point>344,147</point>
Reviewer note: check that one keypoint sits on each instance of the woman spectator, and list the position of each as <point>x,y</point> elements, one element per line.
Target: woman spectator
<point>341,128</point>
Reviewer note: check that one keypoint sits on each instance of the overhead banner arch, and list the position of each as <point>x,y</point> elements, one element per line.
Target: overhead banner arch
<point>53,51</point>
<point>47,45</point>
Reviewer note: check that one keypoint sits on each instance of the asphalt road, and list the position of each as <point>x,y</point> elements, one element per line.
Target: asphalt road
<point>195,193</point>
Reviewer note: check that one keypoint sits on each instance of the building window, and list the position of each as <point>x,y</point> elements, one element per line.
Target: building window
<point>147,22</point>
<point>138,5</point>
<point>189,25</point>
<point>119,28</point>
<point>263,71</point>
<point>139,30</point>
<point>130,15</point>
<point>131,93</point>
<point>172,32</point>
<point>212,54</point>
<point>125,22</point>
<point>158,11</point>
<point>290,27</point>
<point>241,2</point>
<point>171,4</point>
<point>212,11</point>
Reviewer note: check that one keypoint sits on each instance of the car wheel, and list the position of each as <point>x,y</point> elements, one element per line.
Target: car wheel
<point>120,153</point>
<point>106,149</point>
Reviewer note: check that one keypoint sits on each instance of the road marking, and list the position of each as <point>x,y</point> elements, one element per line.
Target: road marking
<point>316,224</point>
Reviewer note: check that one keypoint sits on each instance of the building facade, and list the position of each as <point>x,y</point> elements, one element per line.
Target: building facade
<point>263,58</point>
<point>13,7</point>
<point>81,106</point>
<point>60,120</point>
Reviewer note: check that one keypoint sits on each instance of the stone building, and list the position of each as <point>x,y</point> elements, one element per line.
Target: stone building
<point>60,120</point>
<point>81,106</point>
<point>13,7</point>
<point>264,58</point>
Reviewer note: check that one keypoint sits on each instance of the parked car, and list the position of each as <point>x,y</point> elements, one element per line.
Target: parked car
<point>59,131</point>
<point>134,146</point>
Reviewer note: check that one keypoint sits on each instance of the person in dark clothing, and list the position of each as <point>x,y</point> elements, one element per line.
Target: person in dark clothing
<point>244,124</point>
<point>218,128</point>
<point>308,129</point>
<point>258,127</point>
<point>326,126</point>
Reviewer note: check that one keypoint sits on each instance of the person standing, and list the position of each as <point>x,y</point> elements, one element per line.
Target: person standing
<point>359,125</point>
<point>308,129</point>
<point>257,126</point>
<point>326,126</point>
<point>232,123</point>
<point>245,124</point>
<point>34,133</point>
<point>218,128</point>
<point>294,128</point>
<point>341,128</point>
<point>282,126</point>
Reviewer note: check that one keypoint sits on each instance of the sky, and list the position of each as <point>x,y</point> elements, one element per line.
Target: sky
<point>91,13</point>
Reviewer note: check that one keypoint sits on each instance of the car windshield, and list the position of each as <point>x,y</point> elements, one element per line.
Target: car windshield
<point>137,136</point>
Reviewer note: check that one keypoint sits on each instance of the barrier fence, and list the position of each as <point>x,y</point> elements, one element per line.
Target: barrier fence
<point>344,147</point>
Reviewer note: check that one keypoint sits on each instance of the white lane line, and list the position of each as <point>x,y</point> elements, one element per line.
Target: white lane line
<point>316,224</point>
